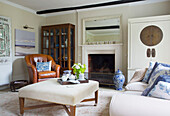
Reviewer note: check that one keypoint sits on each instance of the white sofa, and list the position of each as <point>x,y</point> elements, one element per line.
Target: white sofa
<point>131,103</point>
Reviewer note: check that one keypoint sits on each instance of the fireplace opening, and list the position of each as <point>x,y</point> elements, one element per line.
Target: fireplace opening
<point>101,67</point>
<point>101,63</point>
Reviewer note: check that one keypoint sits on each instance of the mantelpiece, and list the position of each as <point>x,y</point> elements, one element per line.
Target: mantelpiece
<point>103,49</point>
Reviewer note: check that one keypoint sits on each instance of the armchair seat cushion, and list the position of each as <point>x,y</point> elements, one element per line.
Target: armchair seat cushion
<point>46,74</point>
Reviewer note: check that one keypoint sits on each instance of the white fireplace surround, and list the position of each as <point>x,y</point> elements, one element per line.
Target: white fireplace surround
<point>103,49</point>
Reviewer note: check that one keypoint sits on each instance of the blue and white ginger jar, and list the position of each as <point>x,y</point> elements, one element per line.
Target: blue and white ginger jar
<point>118,80</point>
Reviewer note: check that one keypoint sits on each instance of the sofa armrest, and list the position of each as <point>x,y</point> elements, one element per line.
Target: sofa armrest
<point>133,105</point>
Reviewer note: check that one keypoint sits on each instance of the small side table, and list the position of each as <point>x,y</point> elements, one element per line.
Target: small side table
<point>14,85</point>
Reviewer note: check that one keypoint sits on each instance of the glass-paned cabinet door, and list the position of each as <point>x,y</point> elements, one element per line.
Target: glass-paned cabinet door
<point>52,43</point>
<point>72,53</point>
<point>72,44</point>
<point>57,37</point>
<point>72,37</point>
<point>45,42</point>
<point>45,38</point>
<point>52,52</point>
<point>57,45</point>
<point>45,32</point>
<point>64,46</point>
<point>57,55</point>
<point>45,51</point>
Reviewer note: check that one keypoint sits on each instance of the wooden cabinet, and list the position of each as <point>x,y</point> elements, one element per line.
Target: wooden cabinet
<point>59,42</point>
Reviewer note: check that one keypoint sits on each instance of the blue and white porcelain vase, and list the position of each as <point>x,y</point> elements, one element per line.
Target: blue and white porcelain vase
<point>118,80</point>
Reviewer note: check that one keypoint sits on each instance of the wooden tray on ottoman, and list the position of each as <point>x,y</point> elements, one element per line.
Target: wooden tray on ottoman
<point>67,82</point>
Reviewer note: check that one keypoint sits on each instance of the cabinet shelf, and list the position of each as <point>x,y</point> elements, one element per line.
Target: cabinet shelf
<point>55,42</point>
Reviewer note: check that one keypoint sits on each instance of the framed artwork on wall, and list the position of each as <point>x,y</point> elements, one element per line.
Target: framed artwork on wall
<point>24,42</point>
<point>5,39</point>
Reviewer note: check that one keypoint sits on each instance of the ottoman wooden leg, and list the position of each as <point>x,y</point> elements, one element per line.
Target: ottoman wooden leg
<point>96,98</point>
<point>21,103</point>
<point>72,110</point>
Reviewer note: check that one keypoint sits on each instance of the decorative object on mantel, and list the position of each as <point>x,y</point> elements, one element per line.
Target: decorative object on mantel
<point>119,80</point>
<point>79,70</point>
<point>100,42</point>
<point>27,27</point>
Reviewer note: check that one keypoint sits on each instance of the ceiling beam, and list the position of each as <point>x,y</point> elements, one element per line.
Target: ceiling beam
<point>87,6</point>
<point>103,27</point>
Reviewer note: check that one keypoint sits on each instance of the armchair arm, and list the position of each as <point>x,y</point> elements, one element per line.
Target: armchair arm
<point>57,70</point>
<point>32,73</point>
<point>55,67</point>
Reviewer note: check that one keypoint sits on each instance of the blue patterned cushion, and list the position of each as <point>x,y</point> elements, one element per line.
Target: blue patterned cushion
<point>43,66</point>
<point>166,65</point>
<point>148,72</point>
<point>161,90</point>
<point>159,70</point>
<point>156,64</point>
<point>165,78</point>
<point>153,69</point>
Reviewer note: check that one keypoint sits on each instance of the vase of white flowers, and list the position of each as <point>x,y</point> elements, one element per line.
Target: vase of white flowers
<point>79,69</point>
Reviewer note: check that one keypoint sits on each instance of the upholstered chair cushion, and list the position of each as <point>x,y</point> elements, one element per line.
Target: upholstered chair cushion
<point>46,74</point>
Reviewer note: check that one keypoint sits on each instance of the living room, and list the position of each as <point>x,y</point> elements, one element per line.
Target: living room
<point>20,16</point>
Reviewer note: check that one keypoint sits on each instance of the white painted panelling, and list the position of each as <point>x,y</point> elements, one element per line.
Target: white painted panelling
<point>137,50</point>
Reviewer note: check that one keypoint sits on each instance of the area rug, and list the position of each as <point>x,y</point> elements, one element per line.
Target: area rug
<point>9,106</point>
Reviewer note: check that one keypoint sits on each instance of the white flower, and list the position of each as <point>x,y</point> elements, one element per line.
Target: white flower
<point>79,64</point>
<point>82,66</point>
<point>77,67</point>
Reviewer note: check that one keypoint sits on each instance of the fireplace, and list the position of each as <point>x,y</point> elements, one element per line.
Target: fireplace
<point>101,63</point>
<point>100,69</point>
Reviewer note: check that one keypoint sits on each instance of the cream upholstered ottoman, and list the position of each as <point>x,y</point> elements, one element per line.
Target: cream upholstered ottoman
<point>52,91</point>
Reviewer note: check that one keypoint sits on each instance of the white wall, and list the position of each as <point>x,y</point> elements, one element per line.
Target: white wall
<point>161,8</point>
<point>19,18</point>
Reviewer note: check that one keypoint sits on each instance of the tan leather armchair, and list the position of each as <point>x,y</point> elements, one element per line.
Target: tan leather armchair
<point>36,76</point>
